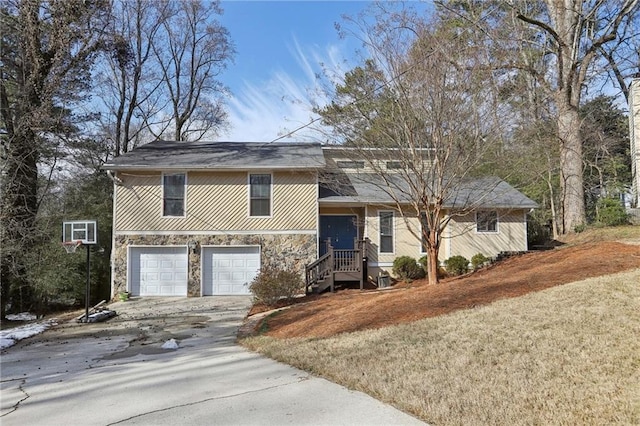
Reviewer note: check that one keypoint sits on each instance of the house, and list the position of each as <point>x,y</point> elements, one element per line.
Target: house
<point>201,218</point>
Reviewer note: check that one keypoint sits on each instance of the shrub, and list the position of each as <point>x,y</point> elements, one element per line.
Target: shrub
<point>424,262</point>
<point>478,260</point>
<point>611,213</point>
<point>539,229</point>
<point>406,268</point>
<point>457,265</point>
<point>273,284</point>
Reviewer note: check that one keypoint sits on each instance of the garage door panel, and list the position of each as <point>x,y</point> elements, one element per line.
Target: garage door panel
<point>150,263</point>
<point>167,264</point>
<point>229,269</point>
<point>159,271</point>
<point>236,276</point>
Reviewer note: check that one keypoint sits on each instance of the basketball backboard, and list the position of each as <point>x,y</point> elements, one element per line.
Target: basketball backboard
<point>80,230</point>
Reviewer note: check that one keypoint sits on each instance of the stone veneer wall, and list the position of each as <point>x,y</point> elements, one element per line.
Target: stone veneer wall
<point>285,251</point>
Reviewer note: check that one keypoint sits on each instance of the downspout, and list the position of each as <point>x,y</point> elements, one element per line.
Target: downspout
<point>449,241</point>
<point>116,180</point>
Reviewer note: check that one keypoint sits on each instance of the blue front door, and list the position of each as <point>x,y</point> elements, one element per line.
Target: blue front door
<point>342,230</point>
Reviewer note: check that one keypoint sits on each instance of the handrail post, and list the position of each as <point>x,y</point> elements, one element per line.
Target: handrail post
<point>331,263</point>
<point>364,262</point>
<point>331,259</point>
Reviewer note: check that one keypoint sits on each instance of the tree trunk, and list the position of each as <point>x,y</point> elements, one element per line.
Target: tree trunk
<point>432,268</point>
<point>19,208</point>
<point>552,206</point>
<point>571,168</point>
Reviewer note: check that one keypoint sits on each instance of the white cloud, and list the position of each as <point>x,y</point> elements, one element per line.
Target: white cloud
<point>265,111</point>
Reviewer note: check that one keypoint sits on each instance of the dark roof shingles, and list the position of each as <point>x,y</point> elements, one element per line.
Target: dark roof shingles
<point>220,155</point>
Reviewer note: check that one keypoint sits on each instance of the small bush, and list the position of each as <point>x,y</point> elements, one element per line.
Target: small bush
<point>457,265</point>
<point>406,268</point>
<point>478,260</point>
<point>273,284</point>
<point>611,213</point>
<point>424,262</point>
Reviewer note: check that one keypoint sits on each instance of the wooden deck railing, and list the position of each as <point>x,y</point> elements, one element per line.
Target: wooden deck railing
<point>336,261</point>
<point>347,260</point>
<point>318,270</point>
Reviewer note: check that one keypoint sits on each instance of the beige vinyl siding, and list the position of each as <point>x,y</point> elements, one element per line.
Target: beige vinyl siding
<point>511,235</point>
<point>405,242</point>
<point>216,201</point>
<point>459,238</point>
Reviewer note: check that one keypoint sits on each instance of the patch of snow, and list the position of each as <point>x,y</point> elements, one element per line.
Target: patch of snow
<point>170,344</point>
<point>22,316</point>
<point>11,336</point>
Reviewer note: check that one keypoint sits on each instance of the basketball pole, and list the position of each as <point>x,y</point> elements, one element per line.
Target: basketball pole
<point>86,301</point>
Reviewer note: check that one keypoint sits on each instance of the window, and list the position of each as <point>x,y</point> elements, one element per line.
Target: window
<point>487,221</point>
<point>350,164</point>
<point>259,195</point>
<point>173,190</point>
<point>394,165</point>
<point>386,232</point>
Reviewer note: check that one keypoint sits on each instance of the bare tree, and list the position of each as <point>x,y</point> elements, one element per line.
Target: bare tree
<point>434,117</point>
<point>622,55</point>
<point>129,78</point>
<point>191,51</point>
<point>564,45</point>
<point>575,32</point>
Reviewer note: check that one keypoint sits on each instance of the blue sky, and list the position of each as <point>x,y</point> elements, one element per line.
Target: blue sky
<point>280,45</point>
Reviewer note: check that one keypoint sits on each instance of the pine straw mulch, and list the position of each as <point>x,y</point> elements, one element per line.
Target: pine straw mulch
<point>351,310</point>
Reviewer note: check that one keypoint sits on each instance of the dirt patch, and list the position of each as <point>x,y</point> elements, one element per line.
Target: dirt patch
<point>352,310</point>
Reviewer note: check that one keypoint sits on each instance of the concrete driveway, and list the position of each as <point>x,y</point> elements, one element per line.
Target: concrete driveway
<point>116,372</point>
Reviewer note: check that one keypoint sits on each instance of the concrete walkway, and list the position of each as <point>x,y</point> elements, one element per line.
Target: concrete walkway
<point>117,373</point>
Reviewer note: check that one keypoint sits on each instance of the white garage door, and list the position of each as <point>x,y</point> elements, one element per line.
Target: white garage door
<point>158,271</point>
<point>229,269</point>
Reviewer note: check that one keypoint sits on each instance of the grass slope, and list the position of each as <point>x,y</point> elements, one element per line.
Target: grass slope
<point>565,355</point>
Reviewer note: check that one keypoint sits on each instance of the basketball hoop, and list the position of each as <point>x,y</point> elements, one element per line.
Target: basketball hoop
<point>71,246</point>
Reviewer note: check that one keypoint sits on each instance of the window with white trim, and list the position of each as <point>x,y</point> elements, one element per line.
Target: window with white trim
<point>260,195</point>
<point>386,231</point>
<point>173,194</point>
<point>487,221</point>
